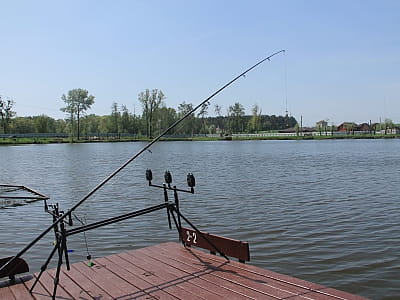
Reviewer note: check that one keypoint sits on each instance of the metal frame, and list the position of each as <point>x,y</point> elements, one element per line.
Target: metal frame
<point>9,188</point>
<point>61,233</point>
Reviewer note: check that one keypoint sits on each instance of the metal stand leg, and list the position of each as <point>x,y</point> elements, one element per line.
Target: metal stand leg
<point>57,277</point>
<point>44,267</point>
<point>166,201</point>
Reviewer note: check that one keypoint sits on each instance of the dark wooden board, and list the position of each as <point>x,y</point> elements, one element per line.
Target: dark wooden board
<point>168,271</point>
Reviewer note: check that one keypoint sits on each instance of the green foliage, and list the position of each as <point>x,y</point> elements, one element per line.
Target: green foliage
<point>188,125</point>
<point>155,119</point>
<point>236,122</point>
<point>77,102</point>
<point>254,124</point>
<point>151,101</point>
<point>6,113</point>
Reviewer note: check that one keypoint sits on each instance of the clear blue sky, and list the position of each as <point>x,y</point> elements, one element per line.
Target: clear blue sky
<point>342,61</point>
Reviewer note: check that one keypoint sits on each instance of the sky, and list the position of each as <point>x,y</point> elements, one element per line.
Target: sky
<point>342,59</point>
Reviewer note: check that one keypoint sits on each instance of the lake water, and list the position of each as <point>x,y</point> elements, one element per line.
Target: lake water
<point>324,211</point>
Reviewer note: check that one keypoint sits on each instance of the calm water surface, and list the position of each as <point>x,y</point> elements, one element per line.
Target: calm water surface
<point>324,211</point>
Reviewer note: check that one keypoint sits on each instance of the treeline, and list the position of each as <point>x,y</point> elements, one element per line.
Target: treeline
<point>156,117</point>
<point>126,122</point>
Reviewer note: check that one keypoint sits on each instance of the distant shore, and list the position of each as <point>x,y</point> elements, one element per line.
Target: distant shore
<point>40,140</point>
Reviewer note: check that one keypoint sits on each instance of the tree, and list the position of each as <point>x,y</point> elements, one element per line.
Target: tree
<point>151,102</point>
<point>202,113</point>
<point>44,124</point>
<point>167,116</point>
<point>236,113</point>
<point>255,121</point>
<point>297,129</point>
<point>6,113</point>
<point>388,125</point>
<point>77,101</point>
<point>23,125</point>
<point>220,118</point>
<point>126,120</point>
<point>115,116</point>
<point>187,125</point>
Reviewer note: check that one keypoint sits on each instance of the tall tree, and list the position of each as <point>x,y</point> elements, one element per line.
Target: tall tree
<point>187,125</point>
<point>6,113</point>
<point>203,113</point>
<point>44,124</point>
<point>236,113</point>
<point>255,121</point>
<point>126,120</point>
<point>115,116</point>
<point>151,101</point>
<point>77,101</point>
<point>220,118</point>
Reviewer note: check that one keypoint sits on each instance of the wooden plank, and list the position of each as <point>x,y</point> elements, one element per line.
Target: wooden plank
<point>86,284</point>
<point>48,283</point>
<point>310,287</point>
<point>151,278</point>
<point>108,265</point>
<point>146,290</point>
<point>39,292</point>
<point>69,285</point>
<point>6,294</point>
<point>207,272</point>
<point>198,255</point>
<point>169,271</point>
<point>229,247</point>
<point>209,280</point>
<point>104,280</point>
<point>253,287</point>
<point>19,290</point>
<point>203,288</point>
<point>174,277</point>
<point>157,276</point>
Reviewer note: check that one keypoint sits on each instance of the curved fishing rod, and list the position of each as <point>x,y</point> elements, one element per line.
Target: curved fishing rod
<point>101,184</point>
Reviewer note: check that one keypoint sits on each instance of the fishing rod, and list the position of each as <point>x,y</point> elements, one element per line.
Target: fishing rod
<point>68,213</point>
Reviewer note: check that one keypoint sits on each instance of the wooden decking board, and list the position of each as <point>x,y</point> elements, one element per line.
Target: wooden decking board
<point>135,274</point>
<point>174,279</point>
<point>145,289</point>
<point>6,293</point>
<point>83,282</point>
<point>168,271</point>
<point>291,282</point>
<point>166,282</point>
<point>20,293</point>
<point>104,279</point>
<point>229,274</point>
<point>69,285</point>
<point>205,289</point>
<point>39,293</point>
<point>214,274</point>
<point>151,282</point>
<point>134,291</point>
<point>202,278</point>
<point>48,283</point>
<point>307,289</point>
<point>266,273</point>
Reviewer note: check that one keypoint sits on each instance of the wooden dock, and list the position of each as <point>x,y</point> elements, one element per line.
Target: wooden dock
<point>167,271</point>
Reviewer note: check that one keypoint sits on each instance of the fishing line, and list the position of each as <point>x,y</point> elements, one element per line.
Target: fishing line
<point>89,256</point>
<point>285,80</point>
<point>145,148</point>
